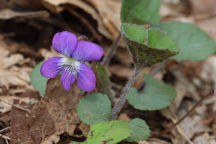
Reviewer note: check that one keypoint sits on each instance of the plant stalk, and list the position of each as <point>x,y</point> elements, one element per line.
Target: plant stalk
<point>123,97</point>
<point>112,51</point>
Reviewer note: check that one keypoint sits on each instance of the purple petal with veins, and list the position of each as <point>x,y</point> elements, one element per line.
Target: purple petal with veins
<point>86,78</point>
<point>50,68</point>
<point>65,43</point>
<point>67,78</point>
<point>87,51</point>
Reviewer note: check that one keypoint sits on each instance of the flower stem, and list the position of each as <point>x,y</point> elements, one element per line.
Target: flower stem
<point>112,51</point>
<point>122,99</point>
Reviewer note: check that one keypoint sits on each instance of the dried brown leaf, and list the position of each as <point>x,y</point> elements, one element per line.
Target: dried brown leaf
<point>106,13</point>
<point>120,71</point>
<point>109,11</point>
<point>62,106</point>
<point>208,26</point>
<point>6,102</point>
<point>203,6</point>
<point>54,115</point>
<point>30,129</point>
<point>7,62</point>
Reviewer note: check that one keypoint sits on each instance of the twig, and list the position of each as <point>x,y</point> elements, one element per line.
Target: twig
<point>5,137</point>
<point>183,134</point>
<point>4,129</point>
<point>122,99</point>
<point>111,52</point>
<point>190,111</point>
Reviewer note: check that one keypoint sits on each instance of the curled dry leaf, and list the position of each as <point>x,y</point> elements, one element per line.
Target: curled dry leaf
<point>106,13</point>
<point>109,11</point>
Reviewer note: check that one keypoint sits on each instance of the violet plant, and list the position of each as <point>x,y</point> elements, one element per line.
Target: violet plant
<point>150,45</point>
<point>75,52</point>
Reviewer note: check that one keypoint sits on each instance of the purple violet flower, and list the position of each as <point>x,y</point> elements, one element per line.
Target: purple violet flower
<point>75,52</point>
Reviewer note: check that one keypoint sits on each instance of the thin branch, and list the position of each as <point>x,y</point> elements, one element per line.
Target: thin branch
<point>5,137</point>
<point>122,99</point>
<point>4,129</point>
<point>112,51</point>
<point>186,115</point>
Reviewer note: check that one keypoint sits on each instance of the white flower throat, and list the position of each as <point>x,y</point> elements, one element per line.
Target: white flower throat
<point>70,64</point>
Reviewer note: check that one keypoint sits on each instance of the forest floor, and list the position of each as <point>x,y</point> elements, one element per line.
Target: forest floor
<point>26,31</point>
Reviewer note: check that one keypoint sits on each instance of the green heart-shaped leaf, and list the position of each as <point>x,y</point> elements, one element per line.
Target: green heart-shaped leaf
<point>148,46</point>
<point>140,130</point>
<point>108,132</point>
<point>156,95</point>
<point>37,80</point>
<point>94,108</point>
<point>140,11</point>
<point>194,43</point>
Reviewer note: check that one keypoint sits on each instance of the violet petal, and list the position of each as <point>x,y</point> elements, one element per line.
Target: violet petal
<point>64,42</point>
<point>87,51</point>
<point>50,68</point>
<point>85,78</point>
<point>67,78</point>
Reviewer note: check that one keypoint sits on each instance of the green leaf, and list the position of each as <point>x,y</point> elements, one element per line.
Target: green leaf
<point>134,32</point>
<point>37,80</point>
<point>140,11</point>
<point>104,81</point>
<point>140,130</point>
<point>108,132</point>
<point>148,46</point>
<point>94,108</point>
<point>156,95</point>
<point>194,43</point>
<point>158,39</point>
